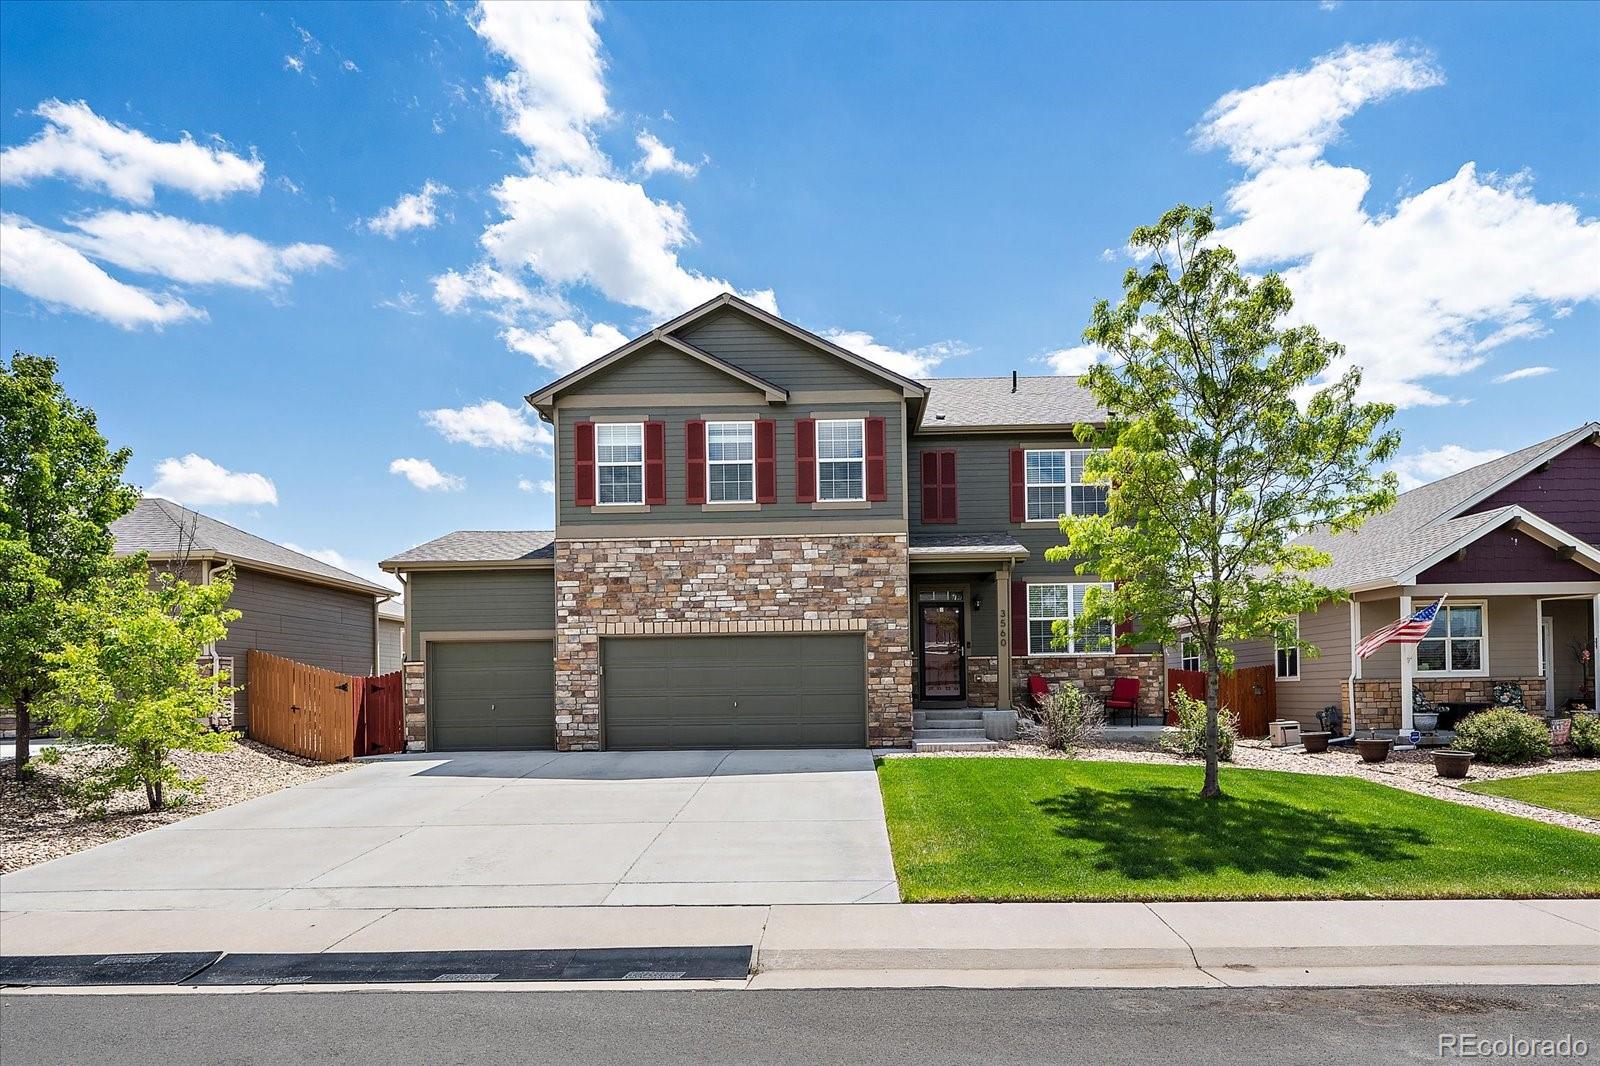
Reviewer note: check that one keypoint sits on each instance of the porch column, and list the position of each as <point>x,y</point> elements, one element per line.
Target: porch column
<point>1408,667</point>
<point>1594,653</point>
<point>1003,624</point>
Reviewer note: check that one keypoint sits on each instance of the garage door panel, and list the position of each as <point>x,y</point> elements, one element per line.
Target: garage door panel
<point>735,692</point>
<point>491,695</point>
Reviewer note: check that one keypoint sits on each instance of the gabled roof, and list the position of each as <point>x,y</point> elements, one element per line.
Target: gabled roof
<point>958,547</point>
<point>1428,521</point>
<point>664,333</point>
<point>965,404</point>
<point>167,531</point>
<point>479,549</point>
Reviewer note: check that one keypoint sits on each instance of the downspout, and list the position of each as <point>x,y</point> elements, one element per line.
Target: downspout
<point>1355,669</point>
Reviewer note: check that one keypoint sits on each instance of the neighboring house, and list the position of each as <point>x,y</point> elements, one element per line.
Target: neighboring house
<point>291,604</point>
<point>761,540</point>
<point>1513,545</point>
<point>391,635</point>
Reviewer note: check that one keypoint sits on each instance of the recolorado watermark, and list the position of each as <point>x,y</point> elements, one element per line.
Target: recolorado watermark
<point>1478,1046</point>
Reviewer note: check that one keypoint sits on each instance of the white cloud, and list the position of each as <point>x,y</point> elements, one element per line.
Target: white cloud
<point>92,152</point>
<point>37,264</point>
<point>359,567</point>
<point>425,476</point>
<point>1420,468</point>
<point>660,158</point>
<point>490,424</point>
<point>1426,290</point>
<point>914,362</point>
<point>197,480</point>
<point>294,63</point>
<point>192,252</point>
<point>417,210</point>
<point>504,298</point>
<point>546,487</point>
<point>1524,372</point>
<point>1072,361</point>
<point>404,301</point>
<point>564,345</point>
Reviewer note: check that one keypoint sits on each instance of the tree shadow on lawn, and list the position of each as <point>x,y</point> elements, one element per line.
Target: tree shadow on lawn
<point>1163,832</point>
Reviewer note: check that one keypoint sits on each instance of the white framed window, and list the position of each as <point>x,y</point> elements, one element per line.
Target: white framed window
<point>1189,656</point>
<point>1055,485</point>
<point>619,462</point>
<point>731,462</point>
<point>1048,604</point>
<point>1457,642</point>
<point>841,459</point>
<point>1286,650</point>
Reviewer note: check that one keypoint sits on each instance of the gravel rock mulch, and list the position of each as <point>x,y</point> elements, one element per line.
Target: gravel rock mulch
<point>1411,771</point>
<point>38,824</point>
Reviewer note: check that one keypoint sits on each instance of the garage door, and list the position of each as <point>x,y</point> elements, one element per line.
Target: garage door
<point>491,695</point>
<point>735,692</point>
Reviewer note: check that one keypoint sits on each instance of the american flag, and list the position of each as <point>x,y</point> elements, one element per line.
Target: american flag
<point>1406,631</point>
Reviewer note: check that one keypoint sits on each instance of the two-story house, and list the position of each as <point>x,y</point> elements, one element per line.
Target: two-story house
<point>761,540</point>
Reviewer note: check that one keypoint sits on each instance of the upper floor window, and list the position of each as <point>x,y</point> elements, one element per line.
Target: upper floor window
<point>1048,604</point>
<point>1286,650</point>
<point>1190,656</point>
<point>1455,642</point>
<point>731,462</point>
<point>1056,487</point>
<point>619,462</point>
<point>841,459</point>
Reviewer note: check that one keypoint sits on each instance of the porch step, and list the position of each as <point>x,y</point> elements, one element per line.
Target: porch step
<point>947,714</point>
<point>945,725</point>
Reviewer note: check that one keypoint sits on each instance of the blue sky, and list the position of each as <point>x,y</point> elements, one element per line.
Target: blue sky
<point>386,215</point>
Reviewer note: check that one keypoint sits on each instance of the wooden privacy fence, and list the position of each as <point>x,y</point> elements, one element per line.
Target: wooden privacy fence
<point>1250,693</point>
<point>322,714</point>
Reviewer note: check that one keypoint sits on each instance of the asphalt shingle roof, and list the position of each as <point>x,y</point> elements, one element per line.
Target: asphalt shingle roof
<point>481,546</point>
<point>935,544</point>
<point>163,527</point>
<point>958,403</point>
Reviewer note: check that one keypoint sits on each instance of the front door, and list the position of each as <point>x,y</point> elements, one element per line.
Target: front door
<point>942,653</point>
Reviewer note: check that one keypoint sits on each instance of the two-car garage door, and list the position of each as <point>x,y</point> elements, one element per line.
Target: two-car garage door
<point>780,691</point>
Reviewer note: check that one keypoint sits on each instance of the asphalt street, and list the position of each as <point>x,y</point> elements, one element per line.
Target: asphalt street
<point>1196,1027</point>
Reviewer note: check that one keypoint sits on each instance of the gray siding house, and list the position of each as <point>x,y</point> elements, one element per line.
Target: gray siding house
<point>291,604</point>
<point>762,540</point>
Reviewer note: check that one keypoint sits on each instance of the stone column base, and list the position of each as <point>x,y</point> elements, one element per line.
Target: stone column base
<point>414,678</point>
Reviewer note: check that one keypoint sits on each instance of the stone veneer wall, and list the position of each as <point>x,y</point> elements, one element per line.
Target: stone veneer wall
<point>1095,674</point>
<point>779,584</point>
<point>1379,706</point>
<point>983,681</point>
<point>414,682</point>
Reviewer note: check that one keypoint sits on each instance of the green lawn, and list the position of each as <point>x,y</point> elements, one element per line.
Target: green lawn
<point>1047,829</point>
<point>1577,792</point>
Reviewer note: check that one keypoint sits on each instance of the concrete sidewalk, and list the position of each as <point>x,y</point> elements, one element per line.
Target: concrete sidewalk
<point>1006,945</point>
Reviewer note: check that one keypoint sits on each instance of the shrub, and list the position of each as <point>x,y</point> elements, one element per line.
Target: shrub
<point>1503,735</point>
<point>1068,719</point>
<point>1586,734</point>
<point>1190,738</point>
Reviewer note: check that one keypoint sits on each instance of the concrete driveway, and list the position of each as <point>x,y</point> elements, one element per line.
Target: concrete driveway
<point>510,829</point>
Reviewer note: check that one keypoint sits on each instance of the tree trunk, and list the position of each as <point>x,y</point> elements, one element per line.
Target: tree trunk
<point>24,731</point>
<point>1212,789</point>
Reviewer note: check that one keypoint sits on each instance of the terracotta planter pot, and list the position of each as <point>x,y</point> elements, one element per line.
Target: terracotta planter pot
<point>1447,763</point>
<point>1374,749</point>
<point>1315,742</point>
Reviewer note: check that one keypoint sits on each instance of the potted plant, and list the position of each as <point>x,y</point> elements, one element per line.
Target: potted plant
<point>1449,763</point>
<point>1316,742</point>
<point>1374,749</point>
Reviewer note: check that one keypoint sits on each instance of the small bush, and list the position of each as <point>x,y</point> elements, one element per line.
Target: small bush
<point>1503,735</point>
<point>1068,720</point>
<point>1190,739</point>
<point>1586,734</point>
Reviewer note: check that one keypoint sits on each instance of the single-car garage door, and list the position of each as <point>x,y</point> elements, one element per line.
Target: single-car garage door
<point>790,691</point>
<point>489,695</point>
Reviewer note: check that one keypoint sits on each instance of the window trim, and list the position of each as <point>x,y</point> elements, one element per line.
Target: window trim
<point>1184,658</point>
<point>816,449</point>
<point>1279,648</point>
<point>1482,639</point>
<point>711,463</point>
<point>1070,650</point>
<point>598,465</point>
<point>1065,485</point>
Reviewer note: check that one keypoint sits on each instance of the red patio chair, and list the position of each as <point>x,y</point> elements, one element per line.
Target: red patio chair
<point>1038,689</point>
<point>1124,696</point>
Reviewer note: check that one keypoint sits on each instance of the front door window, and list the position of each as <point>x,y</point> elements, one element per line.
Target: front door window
<point>943,633</point>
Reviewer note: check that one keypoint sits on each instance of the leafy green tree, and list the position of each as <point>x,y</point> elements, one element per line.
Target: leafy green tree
<point>60,489</point>
<point>1220,449</point>
<point>129,676</point>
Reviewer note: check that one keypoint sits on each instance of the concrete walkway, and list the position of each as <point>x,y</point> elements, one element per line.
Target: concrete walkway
<point>507,829</point>
<point>994,945</point>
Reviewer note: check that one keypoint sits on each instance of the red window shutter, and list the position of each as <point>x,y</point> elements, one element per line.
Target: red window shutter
<point>583,464</point>
<point>805,460</point>
<point>947,486</point>
<point>932,498</point>
<point>766,461</point>
<point>1019,618</point>
<point>655,463</point>
<point>877,465</point>
<point>694,461</point>
<point>1019,488</point>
